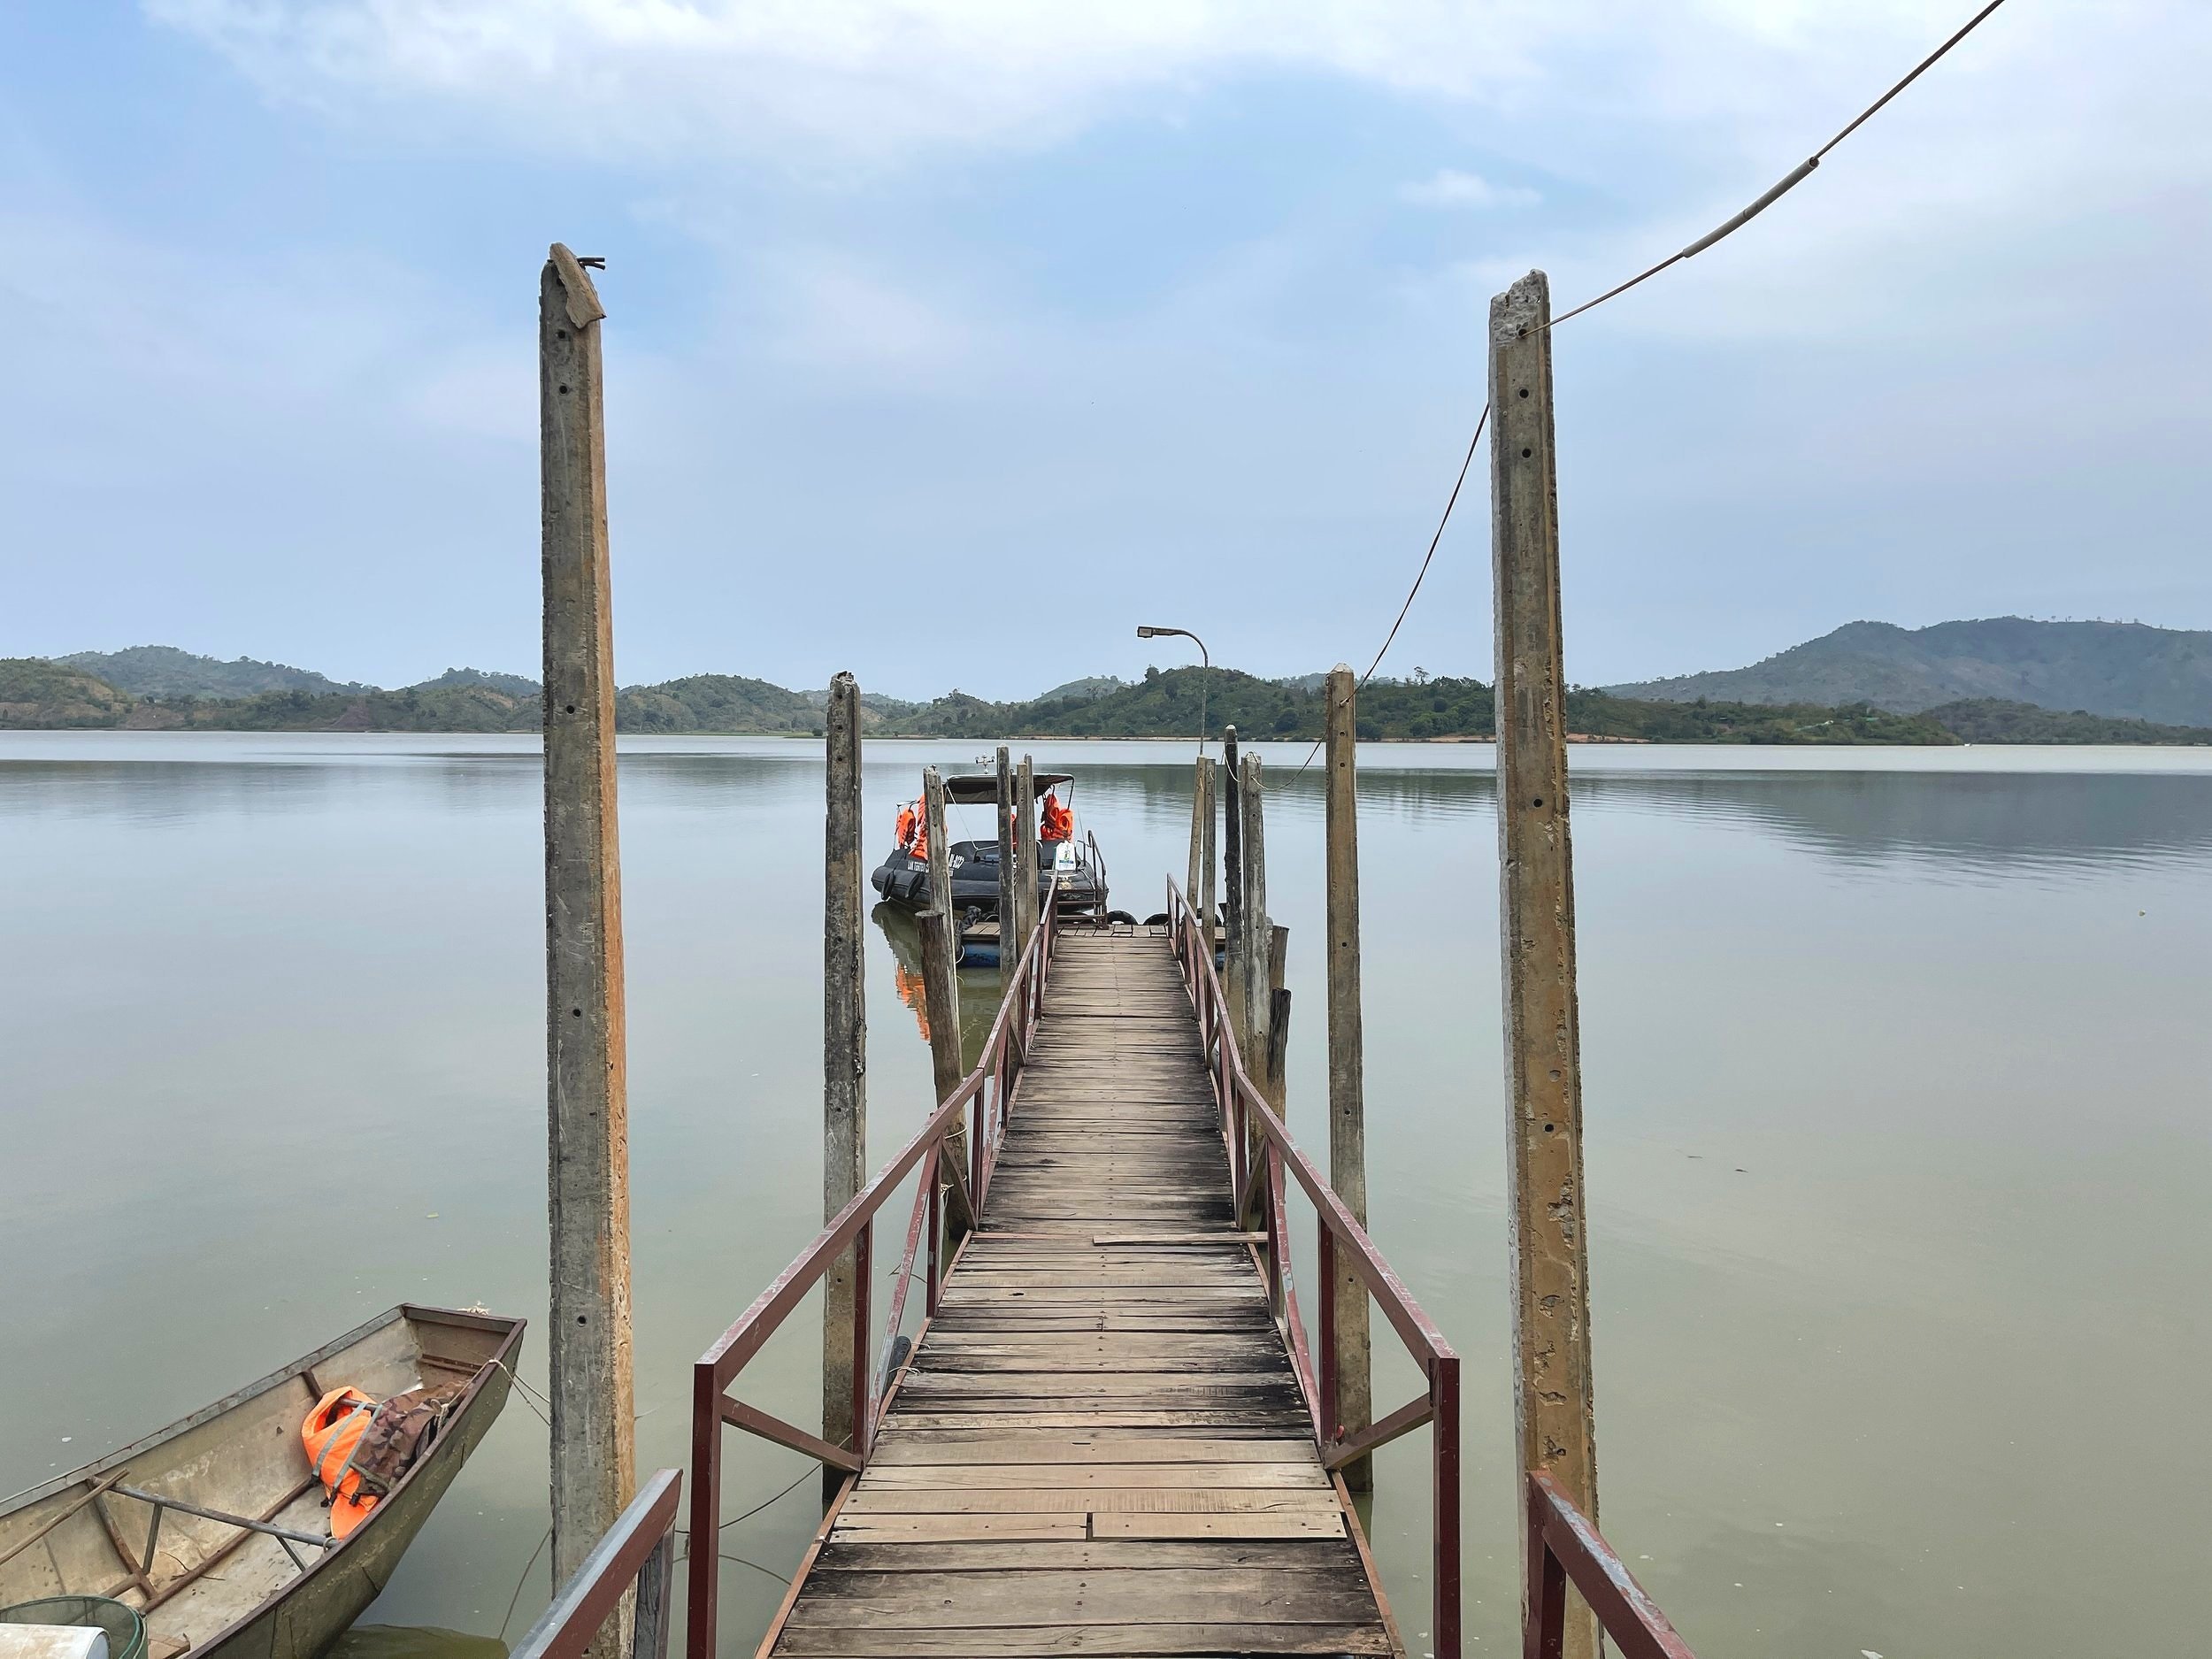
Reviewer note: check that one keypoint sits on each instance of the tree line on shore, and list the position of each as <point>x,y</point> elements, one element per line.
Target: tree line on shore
<point>38,693</point>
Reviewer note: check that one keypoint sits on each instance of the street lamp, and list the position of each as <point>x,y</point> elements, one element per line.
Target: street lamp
<point>1206,664</point>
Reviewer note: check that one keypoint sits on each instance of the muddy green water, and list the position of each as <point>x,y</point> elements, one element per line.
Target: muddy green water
<point>1899,1144</point>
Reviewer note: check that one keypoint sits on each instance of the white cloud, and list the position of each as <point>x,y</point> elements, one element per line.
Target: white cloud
<point>1452,188</point>
<point>865,79</point>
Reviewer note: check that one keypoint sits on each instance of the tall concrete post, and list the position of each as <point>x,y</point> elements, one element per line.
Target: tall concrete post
<point>1025,847</point>
<point>1010,937</point>
<point>1255,935</point>
<point>844,1052</point>
<point>594,1457</point>
<point>1554,1405</point>
<point>940,978</point>
<point>1347,1105</point>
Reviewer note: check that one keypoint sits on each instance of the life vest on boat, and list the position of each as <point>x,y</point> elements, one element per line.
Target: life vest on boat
<point>908,825</point>
<point>332,1434</point>
<point>1057,823</point>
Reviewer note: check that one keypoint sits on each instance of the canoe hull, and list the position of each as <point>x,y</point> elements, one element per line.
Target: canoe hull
<point>239,1596</point>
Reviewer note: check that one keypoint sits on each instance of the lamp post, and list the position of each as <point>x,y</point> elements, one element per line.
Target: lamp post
<point>1205,663</point>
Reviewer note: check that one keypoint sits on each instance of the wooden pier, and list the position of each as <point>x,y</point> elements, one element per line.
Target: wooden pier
<point>1099,1445</point>
<point>1107,1436</point>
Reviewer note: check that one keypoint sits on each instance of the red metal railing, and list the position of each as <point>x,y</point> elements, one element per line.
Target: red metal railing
<point>1260,1150</point>
<point>984,1095</point>
<point>638,1549</point>
<point>1563,1545</point>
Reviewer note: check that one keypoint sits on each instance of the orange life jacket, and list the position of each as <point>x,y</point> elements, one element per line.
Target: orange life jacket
<point>332,1434</point>
<point>1058,822</point>
<point>908,822</point>
<point>909,986</point>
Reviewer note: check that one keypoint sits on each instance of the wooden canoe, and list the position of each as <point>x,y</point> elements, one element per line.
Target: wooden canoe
<point>219,1590</point>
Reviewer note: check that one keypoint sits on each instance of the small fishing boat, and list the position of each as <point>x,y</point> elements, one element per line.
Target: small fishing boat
<point>1070,868</point>
<point>215,1529</point>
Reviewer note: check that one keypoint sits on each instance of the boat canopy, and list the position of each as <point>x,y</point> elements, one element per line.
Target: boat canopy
<point>983,791</point>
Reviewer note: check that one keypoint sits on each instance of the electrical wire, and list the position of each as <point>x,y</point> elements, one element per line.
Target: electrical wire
<point>1452,500</point>
<point>1727,228</point>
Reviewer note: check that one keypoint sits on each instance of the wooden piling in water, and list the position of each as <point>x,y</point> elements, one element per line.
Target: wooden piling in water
<point>1256,938</point>
<point>940,927</point>
<point>1232,881</point>
<point>1025,845</point>
<point>1553,1397</point>
<point>1209,906</point>
<point>1347,1108</point>
<point>1010,936</point>
<point>1201,788</point>
<point>844,1051</point>
<point>940,988</point>
<point>589,1355</point>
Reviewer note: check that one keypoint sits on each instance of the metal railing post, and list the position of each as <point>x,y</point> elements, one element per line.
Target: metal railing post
<point>1444,1450</point>
<point>863,1268</point>
<point>704,1591</point>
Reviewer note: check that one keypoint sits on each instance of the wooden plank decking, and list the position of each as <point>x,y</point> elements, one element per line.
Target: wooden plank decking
<point>1100,1448</point>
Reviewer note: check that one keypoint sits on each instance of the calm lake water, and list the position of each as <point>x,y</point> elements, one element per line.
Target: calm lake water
<point>1899,1147</point>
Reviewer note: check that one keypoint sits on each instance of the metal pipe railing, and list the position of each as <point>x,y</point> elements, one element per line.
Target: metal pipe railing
<point>1563,1545</point>
<point>1252,1131</point>
<point>984,1095</point>
<point>638,1549</point>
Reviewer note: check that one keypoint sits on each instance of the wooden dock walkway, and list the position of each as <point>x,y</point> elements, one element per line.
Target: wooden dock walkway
<point>1099,1446</point>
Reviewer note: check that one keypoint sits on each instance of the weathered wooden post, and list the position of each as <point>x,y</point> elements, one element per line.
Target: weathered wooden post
<point>844,1054</point>
<point>940,978</point>
<point>1025,845</point>
<point>1199,787</point>
<point>940,988</point>
<point>1233,884</point>
<point>1547,1228</point>
<point>1204,900</point>
<point>1347,1108</point>
<point>1010,935</point>
<point>593,1452</point>
<point>1255,938</point>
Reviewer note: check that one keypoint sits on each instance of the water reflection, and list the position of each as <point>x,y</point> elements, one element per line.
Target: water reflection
<point>414,1641</point>
<point>981,989</point>
<point>1879,1165</point>
<point>1957,824</point>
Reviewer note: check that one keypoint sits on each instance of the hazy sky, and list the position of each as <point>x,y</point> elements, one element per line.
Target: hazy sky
<point>949,339</point>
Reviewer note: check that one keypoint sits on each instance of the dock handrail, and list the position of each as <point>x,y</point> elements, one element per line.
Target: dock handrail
<point>985,1093</point>
<point>1562,1545</point>
<point>639,1548</point>
<point>1247,1124</point>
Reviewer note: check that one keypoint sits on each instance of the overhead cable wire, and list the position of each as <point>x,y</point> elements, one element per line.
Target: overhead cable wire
<point>1452,500</point>
<point>1790,181</point>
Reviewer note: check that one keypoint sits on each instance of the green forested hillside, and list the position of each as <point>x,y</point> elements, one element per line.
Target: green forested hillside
<point>162,671</point>
<point>1166,704</point>
<point>1989,720</point>
<point>2122,670</point>
<point>37,694</point>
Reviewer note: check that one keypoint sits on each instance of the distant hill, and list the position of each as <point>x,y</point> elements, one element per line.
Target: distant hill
<point>1166,704</point>
<point>714,703</point>
<point>513,685</point>
<point>39,695</point>
<point>162,671</point>
<point>874,702</point>
<point>2122,670</point>
<point>1081,690</point>
<point>1988,720</point>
